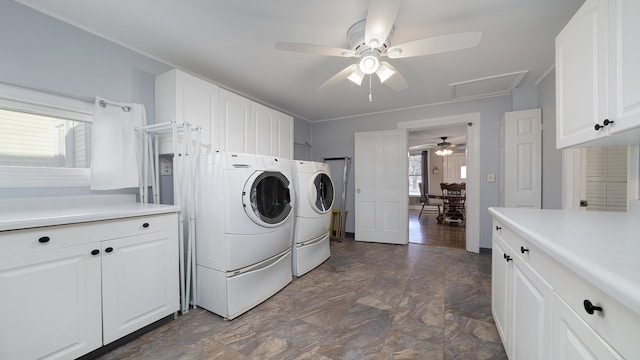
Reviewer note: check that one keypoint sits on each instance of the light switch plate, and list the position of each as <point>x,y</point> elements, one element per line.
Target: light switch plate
<point>491,178</point>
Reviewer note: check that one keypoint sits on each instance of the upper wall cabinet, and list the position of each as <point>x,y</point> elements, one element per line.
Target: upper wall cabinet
<point>229,121</point>
<point>183,98</point>
<point>235,125</point>
<point>273,132</point>
<point>597,77</point>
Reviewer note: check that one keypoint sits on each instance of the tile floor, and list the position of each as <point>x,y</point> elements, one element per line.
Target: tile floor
<point>368,301</point>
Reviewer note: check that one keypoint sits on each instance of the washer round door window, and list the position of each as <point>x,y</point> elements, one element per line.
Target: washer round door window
<point>321,193</point>
<point>266,198</point>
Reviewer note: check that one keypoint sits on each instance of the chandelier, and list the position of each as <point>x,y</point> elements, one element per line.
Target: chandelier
<point>444,148</point>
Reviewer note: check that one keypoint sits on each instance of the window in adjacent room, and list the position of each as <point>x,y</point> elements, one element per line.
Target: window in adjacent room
<point>415,174</point>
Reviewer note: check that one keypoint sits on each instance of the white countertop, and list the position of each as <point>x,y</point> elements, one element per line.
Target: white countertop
<point>602,247</point>
<point>36,212</point>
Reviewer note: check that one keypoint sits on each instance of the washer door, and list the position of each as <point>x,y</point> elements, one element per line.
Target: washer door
<point>321,193</point>
<point>266,198</point>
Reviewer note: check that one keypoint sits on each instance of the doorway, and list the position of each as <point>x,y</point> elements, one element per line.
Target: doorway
<point>472,123</point>
<point>428,168</point>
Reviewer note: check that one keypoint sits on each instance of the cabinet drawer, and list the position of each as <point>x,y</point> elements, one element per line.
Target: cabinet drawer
<point>519,246</point>
<point>616,323</point>
<point>19,242</point>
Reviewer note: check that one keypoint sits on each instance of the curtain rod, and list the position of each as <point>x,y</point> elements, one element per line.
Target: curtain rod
<point>102,103</point>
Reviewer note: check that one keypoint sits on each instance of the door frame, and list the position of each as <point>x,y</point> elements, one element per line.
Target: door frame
<point>472,121</point>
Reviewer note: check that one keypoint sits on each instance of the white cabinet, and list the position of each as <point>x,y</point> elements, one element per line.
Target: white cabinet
<point>597,77</point>
<point>228,121</point>
<point>272,132</point>
<point>574,339</point>
<point>69,289</point>
<point>521,303</point>
<point>50,303</point>
<point>139,282</point>
<point>183,98</point>
<point>540,306</point>
<point>235,123</point>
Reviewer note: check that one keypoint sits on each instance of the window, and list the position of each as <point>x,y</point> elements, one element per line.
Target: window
<point>463,172</point>
<point>45,138</point>
<point>415,174</point>
<point>43,141</point>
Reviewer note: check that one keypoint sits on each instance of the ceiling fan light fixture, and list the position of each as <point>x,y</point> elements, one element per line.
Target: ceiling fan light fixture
<point>369,62</point>
<point>384,72</point>
<point>356,76</point>
<point>444,152</point>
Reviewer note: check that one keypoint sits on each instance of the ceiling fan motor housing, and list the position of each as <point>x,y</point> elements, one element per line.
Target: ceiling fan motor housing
<point>355,36</point>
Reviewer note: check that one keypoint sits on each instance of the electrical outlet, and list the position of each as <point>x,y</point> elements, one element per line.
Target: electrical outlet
<point>491,178</point>
<point>166,167</point>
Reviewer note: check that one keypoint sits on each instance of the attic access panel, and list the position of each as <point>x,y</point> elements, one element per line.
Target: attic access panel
<point>495,85</point>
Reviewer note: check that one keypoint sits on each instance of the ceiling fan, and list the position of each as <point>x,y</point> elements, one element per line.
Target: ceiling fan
<point>369,41</point>
<point>445,147</point>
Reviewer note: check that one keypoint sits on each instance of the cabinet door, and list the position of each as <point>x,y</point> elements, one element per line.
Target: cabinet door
<point>530,314</point>
<point>573,339</point>
<point>184,98</point>
<point>235,123</point>
<point>624,57</point>
<point>282,133</point>
<point>500,288</point>
<point>197,104</point>
<point>581,76</point>
<point>50,304</point>
<point>262,119</point>
<point>139,281</point>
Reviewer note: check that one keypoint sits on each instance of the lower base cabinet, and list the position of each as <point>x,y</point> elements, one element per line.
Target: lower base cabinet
<point>521,304</point>
<point>574,339</point>
<point>539,308</point>
<point>61,302</point>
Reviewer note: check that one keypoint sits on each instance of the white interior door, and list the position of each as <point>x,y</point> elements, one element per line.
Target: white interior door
<point>381,196</point>
<point>523,159</point>
<point>453,168</point>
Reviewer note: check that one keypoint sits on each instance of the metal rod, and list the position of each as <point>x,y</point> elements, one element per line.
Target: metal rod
<point>336,158</point>
<point>345,182</point>
<point>104,104</point>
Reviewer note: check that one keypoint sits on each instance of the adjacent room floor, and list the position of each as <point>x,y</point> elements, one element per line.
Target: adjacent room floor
<point>373,301</point>
<point>426,230</point>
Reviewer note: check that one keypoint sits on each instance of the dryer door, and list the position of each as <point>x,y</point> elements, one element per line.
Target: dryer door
<point>321,193</point>
<point>267,198</point>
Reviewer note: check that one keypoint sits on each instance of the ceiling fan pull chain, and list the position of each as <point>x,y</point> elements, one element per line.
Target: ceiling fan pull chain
<point>370,97</point>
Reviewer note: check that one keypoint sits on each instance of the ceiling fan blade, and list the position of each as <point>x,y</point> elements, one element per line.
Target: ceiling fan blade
<point>380,18</point>
<point>395,81</point>
<point>340,76</point>
<point>314,49</point>
<point>435,45</point>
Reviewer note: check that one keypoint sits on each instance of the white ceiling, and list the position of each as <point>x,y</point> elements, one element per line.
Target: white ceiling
<point>232,44</point>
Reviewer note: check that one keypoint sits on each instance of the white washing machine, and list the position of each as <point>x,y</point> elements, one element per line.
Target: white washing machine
<point>315,195</point>
<point>244,228</point>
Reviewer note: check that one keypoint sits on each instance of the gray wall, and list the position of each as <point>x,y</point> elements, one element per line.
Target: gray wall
<point>302,137</point>
<point>551,157</point>
<point>336,139</point>
<point>42,52</point>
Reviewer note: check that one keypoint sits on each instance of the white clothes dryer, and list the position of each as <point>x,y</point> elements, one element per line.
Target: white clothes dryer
<point>244,226</point>
<point>315,195</point>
